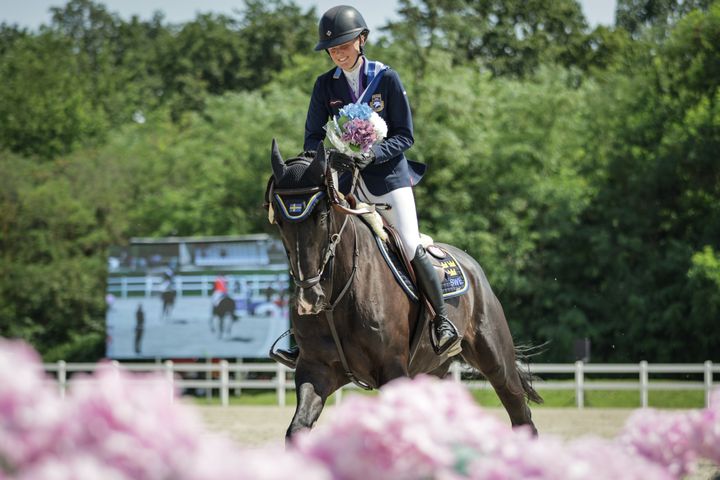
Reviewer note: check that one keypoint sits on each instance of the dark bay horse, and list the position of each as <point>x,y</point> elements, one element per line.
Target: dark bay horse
<point>224,310</point>
<point>353,321</point>
<point>168,299</point>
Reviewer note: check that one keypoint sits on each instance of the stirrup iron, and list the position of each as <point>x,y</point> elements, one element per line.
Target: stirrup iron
<point>275,355</point>
<point>453,347</point>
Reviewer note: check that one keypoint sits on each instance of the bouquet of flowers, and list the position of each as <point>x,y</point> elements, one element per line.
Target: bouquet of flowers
<point>356,129</point>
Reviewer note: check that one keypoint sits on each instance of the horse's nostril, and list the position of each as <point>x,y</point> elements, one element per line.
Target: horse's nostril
<point>310,301</point>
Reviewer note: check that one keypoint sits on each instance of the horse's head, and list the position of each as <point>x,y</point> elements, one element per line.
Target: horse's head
<point>299,200</point>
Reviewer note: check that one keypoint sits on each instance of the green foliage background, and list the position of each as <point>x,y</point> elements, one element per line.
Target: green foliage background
<point>579,166</point>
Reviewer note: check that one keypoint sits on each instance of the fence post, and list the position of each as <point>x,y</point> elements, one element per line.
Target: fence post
<point>170,377</point>
<point>224,383</point>
<point>208,378</point>
<point>239,375</point>
<point>708,381</point>
<point>62,377</point>
<point>123,287</point>
<point>179,286</point>
<point>280,377</point>
<point>579,385</point>
<point>643,384</point>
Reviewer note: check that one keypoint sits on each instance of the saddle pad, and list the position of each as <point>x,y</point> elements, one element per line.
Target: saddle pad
<point>454,282</point>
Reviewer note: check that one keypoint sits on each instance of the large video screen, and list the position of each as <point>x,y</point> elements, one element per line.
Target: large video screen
<point>197,297</point>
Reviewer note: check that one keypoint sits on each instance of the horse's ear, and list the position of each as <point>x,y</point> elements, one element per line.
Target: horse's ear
<point>278,165</point>
<point>318,166</point>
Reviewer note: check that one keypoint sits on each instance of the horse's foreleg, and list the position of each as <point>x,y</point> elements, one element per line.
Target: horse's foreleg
<point>313,387</point>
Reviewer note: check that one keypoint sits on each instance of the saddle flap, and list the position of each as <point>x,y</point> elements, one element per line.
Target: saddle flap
<point>449,271</point>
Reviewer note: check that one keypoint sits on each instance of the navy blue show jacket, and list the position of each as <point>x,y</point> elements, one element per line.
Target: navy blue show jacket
<point>390,169</point>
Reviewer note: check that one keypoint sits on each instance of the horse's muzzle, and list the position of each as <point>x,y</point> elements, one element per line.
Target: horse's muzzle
<point>310,301</point>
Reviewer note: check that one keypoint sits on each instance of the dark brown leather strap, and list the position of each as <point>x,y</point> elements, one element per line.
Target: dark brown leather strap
<point>331,321</point>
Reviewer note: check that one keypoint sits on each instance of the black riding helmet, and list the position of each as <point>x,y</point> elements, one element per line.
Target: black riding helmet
<point>339,25</point>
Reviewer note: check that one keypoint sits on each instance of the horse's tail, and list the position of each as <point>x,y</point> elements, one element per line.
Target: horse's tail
<point>523,354</point>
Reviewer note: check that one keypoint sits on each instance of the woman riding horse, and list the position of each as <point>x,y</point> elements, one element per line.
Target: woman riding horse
<point>386,176</point>
<point>353,321</point>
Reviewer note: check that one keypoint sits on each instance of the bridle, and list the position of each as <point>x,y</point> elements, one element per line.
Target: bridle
<point>336,202</point>
<point>316,193</point>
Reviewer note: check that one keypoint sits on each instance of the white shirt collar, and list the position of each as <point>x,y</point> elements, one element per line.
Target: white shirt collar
<point>353,77</point>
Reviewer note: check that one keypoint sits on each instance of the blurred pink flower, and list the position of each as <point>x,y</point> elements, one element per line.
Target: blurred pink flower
<point>707,427</point>
<point>118,426</point>
<point>661,437</point>
<point>31,414</point>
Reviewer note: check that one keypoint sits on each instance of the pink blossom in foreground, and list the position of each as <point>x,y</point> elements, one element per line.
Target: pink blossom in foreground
<point>30,412</point>
<point>661,437</point>
<point>118,426</point>
<point>707,426</point>
<point>73,467</point>
<point>675,440</point>
<point>426,428</point>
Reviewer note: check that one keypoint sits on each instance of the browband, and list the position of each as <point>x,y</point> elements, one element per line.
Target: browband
<point>293,206</point>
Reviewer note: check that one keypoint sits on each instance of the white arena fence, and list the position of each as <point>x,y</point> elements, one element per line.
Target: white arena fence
<point>232,377</point>
<point>193,285</point>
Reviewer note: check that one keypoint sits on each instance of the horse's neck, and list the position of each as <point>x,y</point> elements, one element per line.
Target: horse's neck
<point>358,235</point>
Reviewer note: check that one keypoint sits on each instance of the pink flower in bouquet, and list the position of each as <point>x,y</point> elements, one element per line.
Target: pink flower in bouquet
<point>359,132</point>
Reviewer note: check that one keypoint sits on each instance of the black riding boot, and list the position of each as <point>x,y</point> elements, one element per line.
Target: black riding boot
<point>444,334</point>
<point>287,357</point>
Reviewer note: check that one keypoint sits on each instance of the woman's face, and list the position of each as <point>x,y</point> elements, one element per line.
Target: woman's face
<point>345,55</point>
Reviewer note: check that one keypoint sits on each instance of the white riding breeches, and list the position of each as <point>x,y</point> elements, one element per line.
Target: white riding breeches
<point>402,215</point>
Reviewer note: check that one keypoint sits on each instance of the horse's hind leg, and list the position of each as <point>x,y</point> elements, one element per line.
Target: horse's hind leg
<point>501,371</point>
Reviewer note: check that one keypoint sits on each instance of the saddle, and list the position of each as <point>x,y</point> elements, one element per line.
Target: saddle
<point>452,277</point>
<point>448,269</point>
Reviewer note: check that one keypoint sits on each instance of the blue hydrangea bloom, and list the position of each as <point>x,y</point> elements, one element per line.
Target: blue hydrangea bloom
<point>356,110</point>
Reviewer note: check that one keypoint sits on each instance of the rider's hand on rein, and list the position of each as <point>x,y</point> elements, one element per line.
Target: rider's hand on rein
<point>343,161</point>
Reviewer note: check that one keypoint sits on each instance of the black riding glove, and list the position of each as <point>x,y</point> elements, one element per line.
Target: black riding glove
<point>346,161</point>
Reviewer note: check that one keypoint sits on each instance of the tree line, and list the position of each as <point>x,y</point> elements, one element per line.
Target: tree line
<point>577,164</point>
